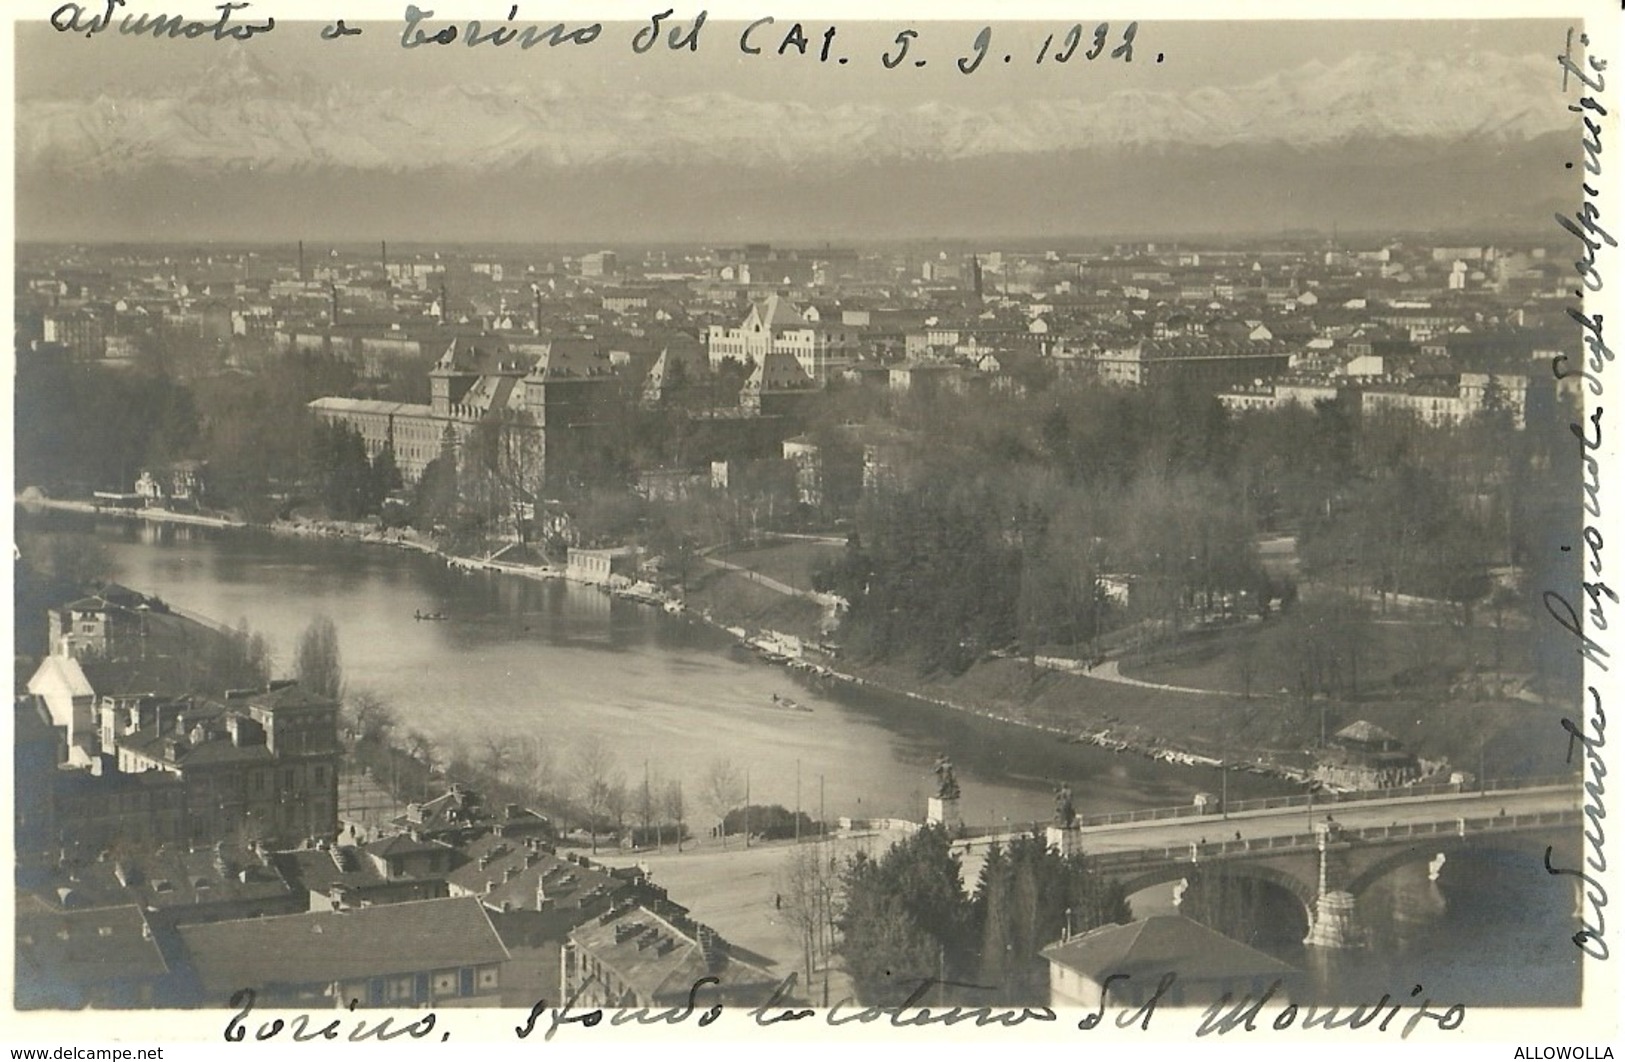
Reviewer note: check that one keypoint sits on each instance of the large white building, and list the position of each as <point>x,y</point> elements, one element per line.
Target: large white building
<point>776,325</point>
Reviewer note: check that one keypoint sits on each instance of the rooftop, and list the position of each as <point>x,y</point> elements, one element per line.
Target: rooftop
<point>1162,944</point>
<point>59,951</point>
<point>326,946</point>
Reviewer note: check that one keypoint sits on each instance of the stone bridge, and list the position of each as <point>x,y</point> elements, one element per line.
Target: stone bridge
<point>1328,864</point>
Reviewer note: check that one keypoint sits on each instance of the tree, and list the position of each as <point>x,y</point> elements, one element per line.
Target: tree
<point>594,777</point>
<point>386,473</point>
<point>1028,896</point>
<point>344,477</point>
<point>724,789</point>
<point>373,720</point>
<point>904,918</point>
<point>676,808</point>
<point>316,661</point>
<point>531,764</point>
<point>618,802</point>
<point>235,659</point>
<point>434,498</point>
<point>496,757</point>
<point>809,885</point>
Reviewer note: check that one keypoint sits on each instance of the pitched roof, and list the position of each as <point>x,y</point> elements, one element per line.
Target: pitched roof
<point>326,946</point>
<point>1162,944</point>
<point>571,358</point>
<point>1365,733</point>
<point>66,670</point>
<point>567,884</point>
<point>778,371</point>
<point>777,312</point>
<point>655,959</point>
<point>76,948</point>
<point>401,844</point>
<point>319,870</point>
<point>169,877</point>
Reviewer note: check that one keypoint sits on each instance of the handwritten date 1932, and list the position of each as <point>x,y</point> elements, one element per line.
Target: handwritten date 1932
<point>1070,42</point>
<point>1055,48</point>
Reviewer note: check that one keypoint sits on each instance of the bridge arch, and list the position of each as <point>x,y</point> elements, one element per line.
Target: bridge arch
<point>1451,845</point>
<point>1302,891</point>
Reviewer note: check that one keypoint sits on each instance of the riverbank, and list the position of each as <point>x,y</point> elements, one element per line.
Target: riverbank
<point>786,628</point>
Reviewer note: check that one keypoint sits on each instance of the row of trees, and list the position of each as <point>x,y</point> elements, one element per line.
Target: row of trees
<point>582,786</point>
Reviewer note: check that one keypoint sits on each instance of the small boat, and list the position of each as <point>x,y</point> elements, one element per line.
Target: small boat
<point>786,702</point>
<point>418,614</point>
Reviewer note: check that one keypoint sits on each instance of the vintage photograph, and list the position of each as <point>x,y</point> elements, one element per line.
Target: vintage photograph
<point>1032,515</point>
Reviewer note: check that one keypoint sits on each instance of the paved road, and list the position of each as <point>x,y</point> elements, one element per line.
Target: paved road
<point>732,891</point>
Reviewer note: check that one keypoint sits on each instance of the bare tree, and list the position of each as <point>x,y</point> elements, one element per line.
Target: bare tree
<point>496,756</point>
<point>809,885</point>
<point>530,764</point>
<point>594,778</point>
<point>674,806</point>
<point>646,807</point>
<point>617,802</point>
<point>724,789</point>
<point>374,721</point>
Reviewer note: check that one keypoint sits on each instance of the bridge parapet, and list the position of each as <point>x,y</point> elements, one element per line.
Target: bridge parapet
<point>1324,799</point>
<point>1140,858</point>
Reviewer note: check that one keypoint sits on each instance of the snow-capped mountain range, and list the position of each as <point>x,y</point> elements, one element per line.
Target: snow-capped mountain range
<point>243,116</point>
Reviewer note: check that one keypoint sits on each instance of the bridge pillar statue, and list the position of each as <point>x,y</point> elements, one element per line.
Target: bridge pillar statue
<point>1333,925</point>
<point>1066,840</point>
<point>943,809</point>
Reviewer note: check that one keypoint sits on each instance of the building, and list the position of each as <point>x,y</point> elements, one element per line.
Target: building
<point>428,953</point>
<point>778,386</point>
<point>1365,756</point>
<point>629,956</point>
<point>106,958</point>
<point>343,877</point>
<point>602,566</point>
<point>179,485</point>
<point>173,884</point>
<point>599,264</point>
<point>413,432</point>
<point>115,623</point>
<point>83,332</point>
<point>776,325</point>
<point>1203,362</point>
<point>1134,958</point>
<point>535,896</point>
<point>261,765</point>
<point>38,747</point>
<point>460,815</point>
<point>551,395</point>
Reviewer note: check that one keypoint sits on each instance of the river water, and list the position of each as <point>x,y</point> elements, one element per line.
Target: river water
<point>564,664</point>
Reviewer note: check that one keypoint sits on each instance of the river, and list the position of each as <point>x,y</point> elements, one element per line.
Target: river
<point>565,664</point>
